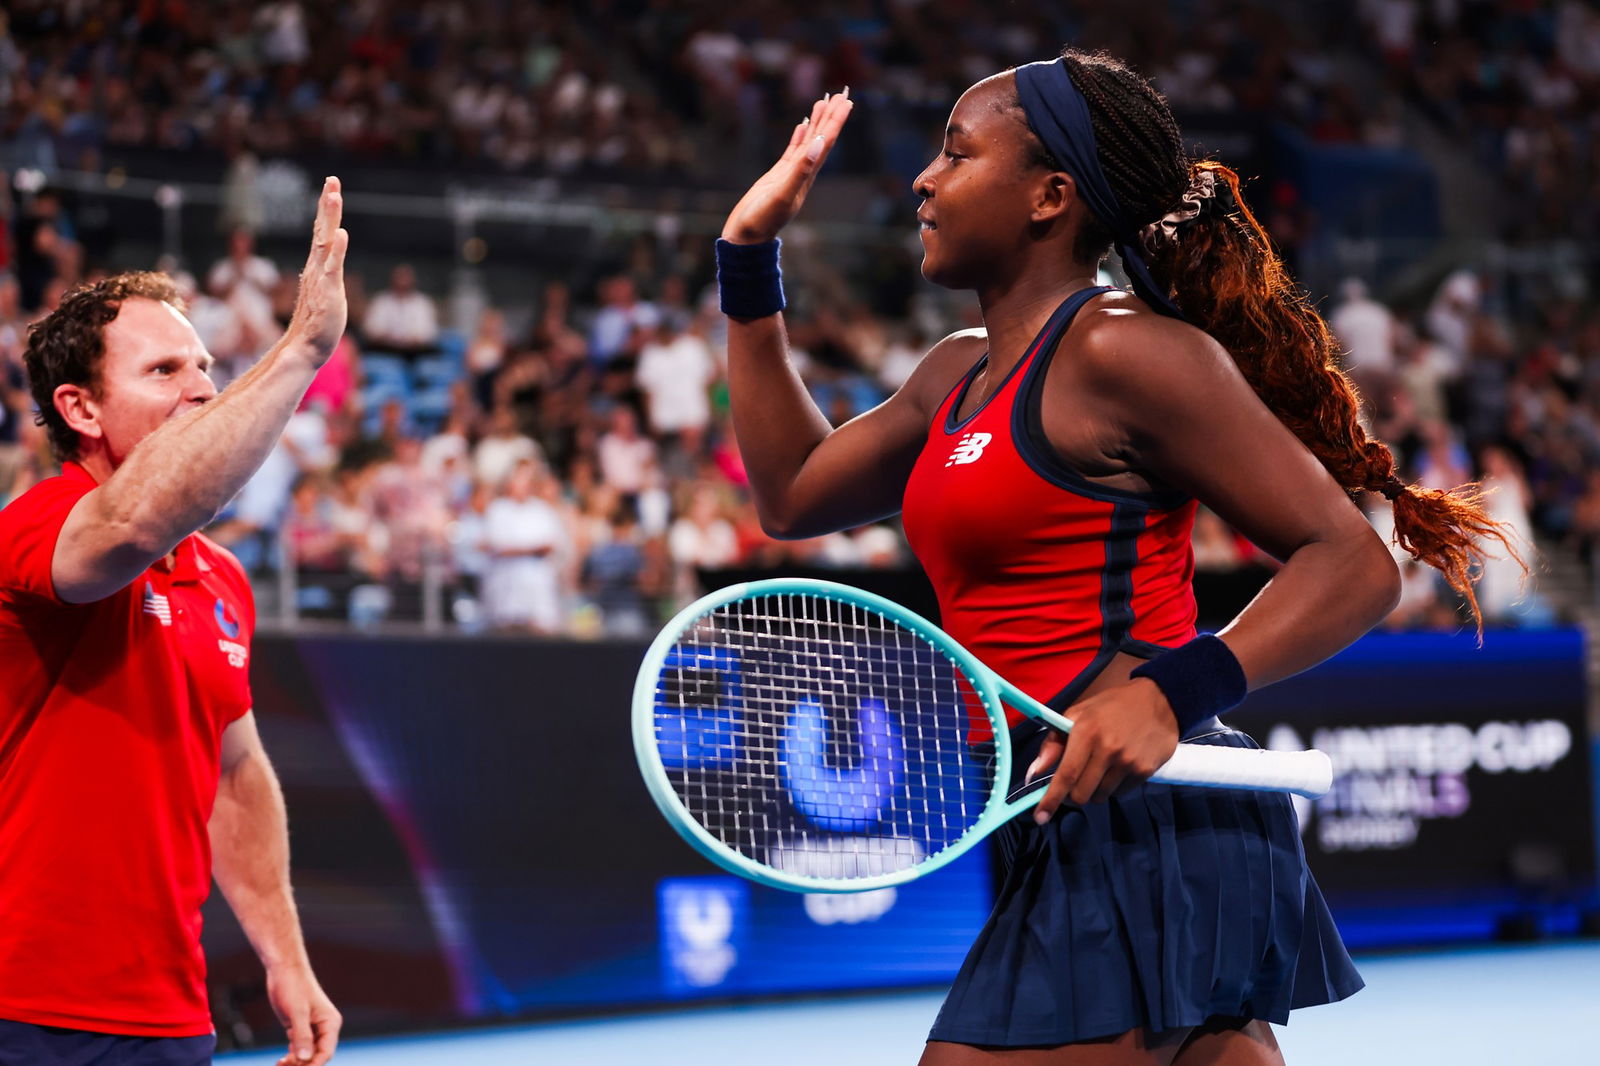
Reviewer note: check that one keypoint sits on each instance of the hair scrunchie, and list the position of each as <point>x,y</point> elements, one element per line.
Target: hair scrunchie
<point>1202,187</point>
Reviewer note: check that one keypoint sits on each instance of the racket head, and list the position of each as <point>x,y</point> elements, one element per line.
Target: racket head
<point>769,718</point>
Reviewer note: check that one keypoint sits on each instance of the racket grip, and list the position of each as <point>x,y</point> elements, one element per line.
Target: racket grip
<point>1305,773</point>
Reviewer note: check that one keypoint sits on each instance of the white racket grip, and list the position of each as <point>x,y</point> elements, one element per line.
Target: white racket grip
<point>1305,773</point>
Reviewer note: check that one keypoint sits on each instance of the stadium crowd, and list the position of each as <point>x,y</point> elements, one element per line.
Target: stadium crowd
<point>667,87</point>
<point>572,474</point>
<point>565,464</point>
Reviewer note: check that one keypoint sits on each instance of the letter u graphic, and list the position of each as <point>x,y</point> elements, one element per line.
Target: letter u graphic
<point>842,801</point>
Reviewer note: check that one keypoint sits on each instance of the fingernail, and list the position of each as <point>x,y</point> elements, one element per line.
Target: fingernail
<point>826,96</point>
<point>1041,816</point>
<point>304,1053</point>
<point>846,91</point>
<point>815,151</point>
<point>1033,767</point>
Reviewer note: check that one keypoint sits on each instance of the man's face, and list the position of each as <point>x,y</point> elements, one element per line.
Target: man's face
<point>154,368</point>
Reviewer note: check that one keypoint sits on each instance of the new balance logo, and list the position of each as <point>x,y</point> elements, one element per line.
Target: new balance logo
<point>969,448</point>
<point>156,604</point>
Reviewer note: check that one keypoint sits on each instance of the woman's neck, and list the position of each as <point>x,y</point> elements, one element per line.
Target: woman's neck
<point>1015,312</point>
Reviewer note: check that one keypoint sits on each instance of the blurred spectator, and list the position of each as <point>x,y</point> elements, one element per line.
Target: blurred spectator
<point>612,577</point>
<point>522,532</point>
<point>245,282</point>
<point>402,319</point>
<point>254,516</point>
<point>621,323</point>
<point>1424,373</point>
<point>413,505</point>
<point>1444,463</point>
<point>625,455</point>
<point>486,353</point>
<point>215,321</point>
<point>502,449</point>
<point>675,372</point>
<point>449,446</point>
<point>47,255</point>
<point>469,539</point>
<point>1365,329</point>
<point>16,406</point>
<point>1453,312</point>
<point>1500,589</point>
<point>316,542</point>
<point>702,538</point>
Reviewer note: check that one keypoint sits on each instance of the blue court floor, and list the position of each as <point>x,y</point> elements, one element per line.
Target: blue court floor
<point>1481,1007</point>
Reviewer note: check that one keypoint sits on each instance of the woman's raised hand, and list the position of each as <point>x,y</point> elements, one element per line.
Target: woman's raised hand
<point>776,196</point>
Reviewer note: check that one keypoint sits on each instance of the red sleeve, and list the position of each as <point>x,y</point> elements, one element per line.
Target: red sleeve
<point>29,529</point>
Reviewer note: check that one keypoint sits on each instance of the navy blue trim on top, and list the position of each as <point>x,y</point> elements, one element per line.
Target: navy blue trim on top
<point>1143,648</point>
<point>1027,431</point>
<point>1047,335</point>
<point>1116,599</point>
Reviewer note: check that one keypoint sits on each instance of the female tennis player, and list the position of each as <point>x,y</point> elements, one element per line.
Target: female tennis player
<point>1048,468</point>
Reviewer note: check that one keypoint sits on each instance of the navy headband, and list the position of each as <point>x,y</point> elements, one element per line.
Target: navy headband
<point>1058,114</point>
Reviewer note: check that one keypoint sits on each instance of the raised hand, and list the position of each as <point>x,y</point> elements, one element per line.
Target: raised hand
<point>320,310</point>
<point>776,196</point>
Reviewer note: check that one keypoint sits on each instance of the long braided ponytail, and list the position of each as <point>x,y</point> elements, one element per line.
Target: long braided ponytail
<point>1219,267</point>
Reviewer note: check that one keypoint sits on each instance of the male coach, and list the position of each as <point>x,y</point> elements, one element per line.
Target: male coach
<point>131,772</point>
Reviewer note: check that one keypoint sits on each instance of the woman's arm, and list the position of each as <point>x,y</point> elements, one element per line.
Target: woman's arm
<point>807,477</point>
<point>1177,409</point>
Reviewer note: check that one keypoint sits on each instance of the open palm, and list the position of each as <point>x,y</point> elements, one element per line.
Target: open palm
<point>776,196</point>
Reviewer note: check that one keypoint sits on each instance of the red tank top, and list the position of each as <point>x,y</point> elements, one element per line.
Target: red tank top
<point>1040,573</point>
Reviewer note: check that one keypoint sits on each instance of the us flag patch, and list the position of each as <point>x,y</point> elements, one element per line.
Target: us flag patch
<point>156,604</point>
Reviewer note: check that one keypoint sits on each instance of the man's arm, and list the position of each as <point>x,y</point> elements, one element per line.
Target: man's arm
<point>250,860</point>
<point>177,479</point>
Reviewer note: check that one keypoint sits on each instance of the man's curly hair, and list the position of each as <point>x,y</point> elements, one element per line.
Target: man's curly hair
<point>67,346</point>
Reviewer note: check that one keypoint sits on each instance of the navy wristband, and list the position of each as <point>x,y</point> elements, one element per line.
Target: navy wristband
<point>748,279</point>
<point>1200,679</point>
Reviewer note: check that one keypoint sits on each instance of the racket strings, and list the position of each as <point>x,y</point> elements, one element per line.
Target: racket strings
<point>819,737</point>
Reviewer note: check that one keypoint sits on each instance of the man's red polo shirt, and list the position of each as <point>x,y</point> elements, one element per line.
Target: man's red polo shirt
<point>111,719</point>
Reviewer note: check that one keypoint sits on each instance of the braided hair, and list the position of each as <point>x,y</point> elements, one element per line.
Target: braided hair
<point>1222,272</point>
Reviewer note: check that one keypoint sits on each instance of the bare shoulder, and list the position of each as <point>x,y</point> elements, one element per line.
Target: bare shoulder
<point>943,366</point>
<point>964,346</point>
<point>1123,347</point>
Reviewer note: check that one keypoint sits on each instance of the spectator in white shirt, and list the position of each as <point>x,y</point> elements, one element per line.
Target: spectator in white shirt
<point>626,456</point>
<point>244,281</point>
<point>502,448</point>
<point>523,533</point>
<point>675,372</point>
<point>1365,329</point>
<point>400,318</point>
<point>1455,307</point>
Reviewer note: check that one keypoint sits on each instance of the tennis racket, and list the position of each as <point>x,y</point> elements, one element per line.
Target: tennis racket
<point>813,737</point>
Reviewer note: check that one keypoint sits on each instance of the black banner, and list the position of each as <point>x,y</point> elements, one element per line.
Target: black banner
<point>1460,772</point>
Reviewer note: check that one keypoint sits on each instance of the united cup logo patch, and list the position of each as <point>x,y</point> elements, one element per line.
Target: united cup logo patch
<point>969,448</point>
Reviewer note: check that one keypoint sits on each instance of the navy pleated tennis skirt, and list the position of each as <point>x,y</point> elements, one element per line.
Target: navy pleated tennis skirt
<point>1160,908</point>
